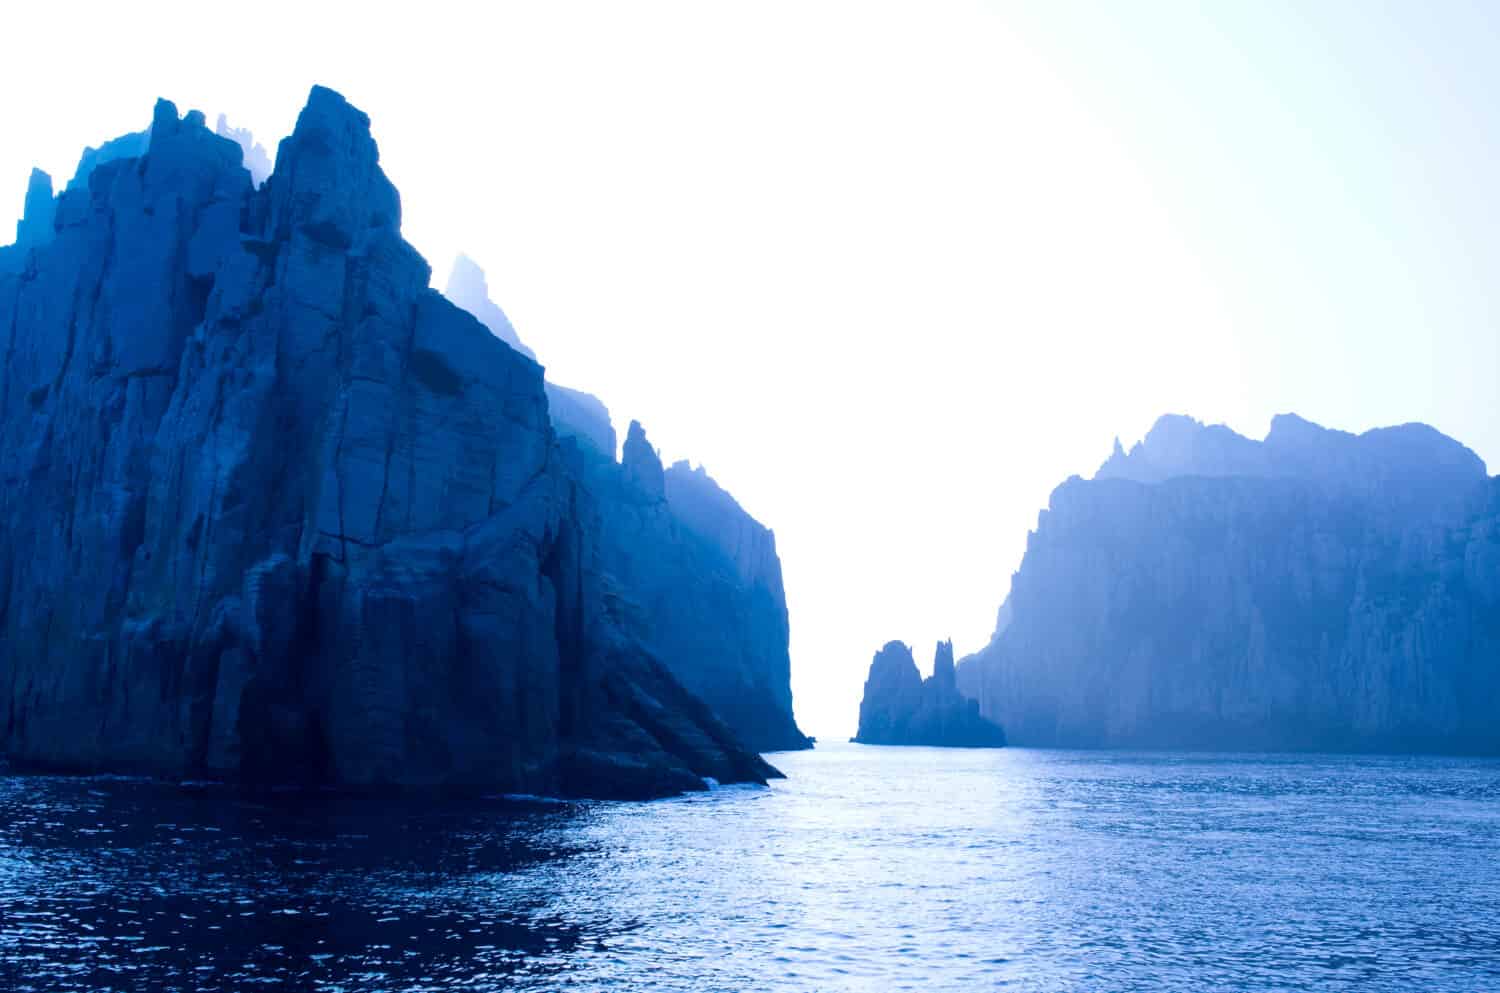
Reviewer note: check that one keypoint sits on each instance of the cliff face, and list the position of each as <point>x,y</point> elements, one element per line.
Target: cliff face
<point>700,578</point>
<point>900,708</point>
<point>703,586</point>
<point>1318,590</point>
<point>271,508</point>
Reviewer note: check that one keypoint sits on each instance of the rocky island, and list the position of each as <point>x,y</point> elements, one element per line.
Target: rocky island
<point>901,708</point>
<point>273,509</point>
<point>1317,590</point>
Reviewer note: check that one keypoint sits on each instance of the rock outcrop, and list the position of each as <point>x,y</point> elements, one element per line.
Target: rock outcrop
<point>1317,590</point>
<point>126,146</point>
<point>900,708</point>
<point>35,225</point>
<point>704,580</point>
<point>271,508</point>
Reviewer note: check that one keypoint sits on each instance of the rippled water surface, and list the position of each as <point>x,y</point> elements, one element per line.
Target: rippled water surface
<point>868,869</point>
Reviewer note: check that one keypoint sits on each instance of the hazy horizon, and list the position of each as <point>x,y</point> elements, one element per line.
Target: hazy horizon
<point>892,277</point>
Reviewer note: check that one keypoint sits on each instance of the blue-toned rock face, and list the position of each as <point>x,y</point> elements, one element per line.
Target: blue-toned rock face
<point>271,507</point>
<point>1315,591</point>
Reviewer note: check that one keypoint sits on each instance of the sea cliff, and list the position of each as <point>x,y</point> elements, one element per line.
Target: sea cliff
<point>1317,590</point>
<point>272,509</point>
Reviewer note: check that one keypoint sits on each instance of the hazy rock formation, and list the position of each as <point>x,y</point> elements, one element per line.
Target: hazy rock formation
<point>899,708</point>
<point>270,507</point>
<point>468,288</point>
<point>1317,590</point>
<point>740,661</point>
<point>257,160</point>
<point>704,588</point>
<point>703,577</point>
<point>642,465</point>
<point>574,414</point>
<point>582,417</point>
<point>1411,474</point>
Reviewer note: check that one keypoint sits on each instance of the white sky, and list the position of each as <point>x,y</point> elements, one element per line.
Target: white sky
<point>891,272</point>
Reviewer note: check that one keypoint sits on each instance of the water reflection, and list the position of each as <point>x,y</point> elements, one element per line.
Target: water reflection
<point>108,883</point>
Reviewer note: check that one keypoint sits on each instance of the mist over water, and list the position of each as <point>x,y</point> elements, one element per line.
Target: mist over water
<point>868,869</point>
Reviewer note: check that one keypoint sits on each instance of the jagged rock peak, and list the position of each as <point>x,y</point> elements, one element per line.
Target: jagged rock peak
<point>468,287</point>
<point>1178,445</point>
<point>942,664</point>
<point>257,159</point>
<point>287,512</point>
<point>1413,467</point>
<point>467,275</point>
<point>328,183</point>
<point>35,225</point>
<point>575,414</point>
<point>642,464</point>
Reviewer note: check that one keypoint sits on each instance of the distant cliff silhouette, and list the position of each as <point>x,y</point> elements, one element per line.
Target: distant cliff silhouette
<point>1315,590</point>
<point>272,509</point>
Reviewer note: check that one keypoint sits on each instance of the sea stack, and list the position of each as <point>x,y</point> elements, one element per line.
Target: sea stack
<point>900,708</point>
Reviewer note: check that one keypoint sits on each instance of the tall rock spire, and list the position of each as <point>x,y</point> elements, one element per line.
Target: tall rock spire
<point>328,182</point>
<point>642,464</point>
<point>942,666</point>
<point>35,225</point>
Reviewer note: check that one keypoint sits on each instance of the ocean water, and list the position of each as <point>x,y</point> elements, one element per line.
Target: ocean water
<point>868,869</point>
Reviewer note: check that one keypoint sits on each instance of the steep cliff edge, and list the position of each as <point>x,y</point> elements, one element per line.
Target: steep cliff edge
<point>703,587</point>
<point>1317,590</point>
<point>703,577</point>
<point>271,508</point>
<point>900,708</point>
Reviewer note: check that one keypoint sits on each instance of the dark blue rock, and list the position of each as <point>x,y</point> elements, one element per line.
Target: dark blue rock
<point>271,508</point>
<point>35,225</point>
